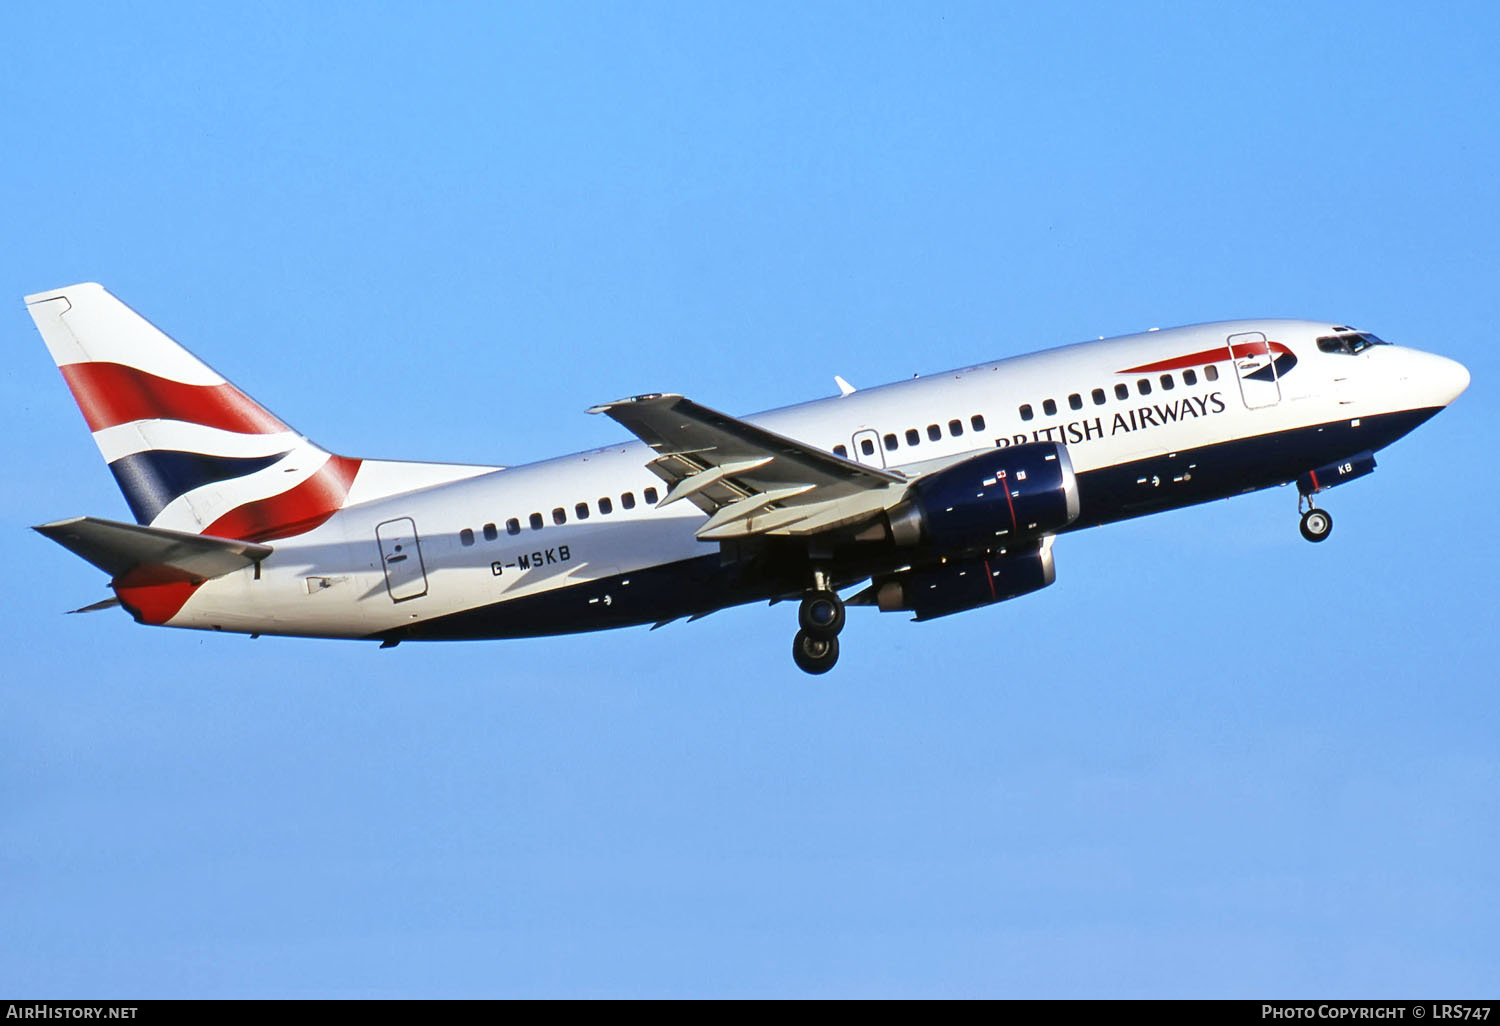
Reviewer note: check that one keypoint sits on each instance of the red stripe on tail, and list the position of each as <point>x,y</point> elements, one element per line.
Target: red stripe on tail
<point>154,594</point>
<point>112,393</point>
<point>296,511</point>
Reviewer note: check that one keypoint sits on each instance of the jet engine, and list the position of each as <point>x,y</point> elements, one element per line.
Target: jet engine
<point>990,501</point>
<point>956,585</point>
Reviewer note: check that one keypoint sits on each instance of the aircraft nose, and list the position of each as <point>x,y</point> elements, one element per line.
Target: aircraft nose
<point>1432,380</point>
<point>1449,378</point>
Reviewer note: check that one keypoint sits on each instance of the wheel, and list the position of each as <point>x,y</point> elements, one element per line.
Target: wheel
<point>1317,524</point>
<point>813,653</point>
<point>822,612</point>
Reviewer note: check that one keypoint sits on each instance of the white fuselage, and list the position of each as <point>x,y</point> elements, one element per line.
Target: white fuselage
<point>335,581</point>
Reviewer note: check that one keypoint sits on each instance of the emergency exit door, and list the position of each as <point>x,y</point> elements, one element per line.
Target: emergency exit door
<point>866,448</point>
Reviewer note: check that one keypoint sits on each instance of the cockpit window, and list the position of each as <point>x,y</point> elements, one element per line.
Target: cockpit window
<point>1350,343</point>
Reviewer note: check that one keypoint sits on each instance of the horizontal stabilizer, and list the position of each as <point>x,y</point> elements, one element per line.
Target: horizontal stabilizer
<point>119,549</point>
<point>94,607</point>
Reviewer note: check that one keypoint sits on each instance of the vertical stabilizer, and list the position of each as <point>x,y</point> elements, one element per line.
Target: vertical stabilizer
<point>190,451</point>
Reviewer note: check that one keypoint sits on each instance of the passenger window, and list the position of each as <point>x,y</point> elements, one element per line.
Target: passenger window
<point>891,443</point>
<point>512,526</point>
<point>867,447</point>
<point>650,494</point>
<point>955,428</point>
<point>977,422</point>
<point>559,516</point>
<point>490,533</point>
<point>628,500</point>
<point>1075,401</point>
<point>1098,396</point>
<point>934,433</point>
<point>536,521</point>
<point>1026,413</point>
<point>1049,407</point>
<point>912,438</point>
<point>1211,372</point>
<point>466,536</point>
<point>839,450</point>
<point>1143,386</point>
<point>1121,392</point>
<point>1189,378</point>
<point>605,506</point>
<point>1167,384</point>
<point>582,510</point>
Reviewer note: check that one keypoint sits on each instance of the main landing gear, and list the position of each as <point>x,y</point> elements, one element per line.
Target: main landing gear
<point>821,616</point>
<point>1317,524</point>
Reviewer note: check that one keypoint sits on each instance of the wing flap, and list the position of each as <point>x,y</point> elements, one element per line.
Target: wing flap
<point>120,549</point>
<point>747,479</point>
<point>675,426</point>
<point>699,480</point>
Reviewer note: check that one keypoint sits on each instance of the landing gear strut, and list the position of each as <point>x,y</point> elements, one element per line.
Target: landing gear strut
<point>821,616</point>
<point>1317,524</point>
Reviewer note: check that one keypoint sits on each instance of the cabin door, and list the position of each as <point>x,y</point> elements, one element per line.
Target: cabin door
<point>1255,366</point>
<point>401,555</point>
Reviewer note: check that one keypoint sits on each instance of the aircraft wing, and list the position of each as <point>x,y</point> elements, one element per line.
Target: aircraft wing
<point>121,549</point>
<point>749,480</point>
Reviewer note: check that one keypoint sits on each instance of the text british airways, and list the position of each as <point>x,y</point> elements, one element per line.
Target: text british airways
<point>1137,418</point>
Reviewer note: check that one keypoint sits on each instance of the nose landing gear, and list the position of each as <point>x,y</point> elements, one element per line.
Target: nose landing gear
<point>1317,524</point>
<point>821,616</point>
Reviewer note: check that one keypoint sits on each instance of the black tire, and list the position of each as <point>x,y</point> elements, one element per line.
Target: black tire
<point>1317,525</point>
<point>821,612</point>
<point>815,653</point>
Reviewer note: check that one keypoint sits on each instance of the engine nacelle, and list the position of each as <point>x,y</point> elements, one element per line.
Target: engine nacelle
<point>991,501</point>
<point>967,584</point>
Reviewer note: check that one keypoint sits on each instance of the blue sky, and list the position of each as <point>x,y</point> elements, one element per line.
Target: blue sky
<point>1211,760</point>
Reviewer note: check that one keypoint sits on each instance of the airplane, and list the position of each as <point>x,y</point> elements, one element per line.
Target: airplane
<point>930,496</point>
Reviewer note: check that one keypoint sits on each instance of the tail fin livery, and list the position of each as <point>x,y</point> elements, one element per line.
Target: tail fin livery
<point>190,451</point>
